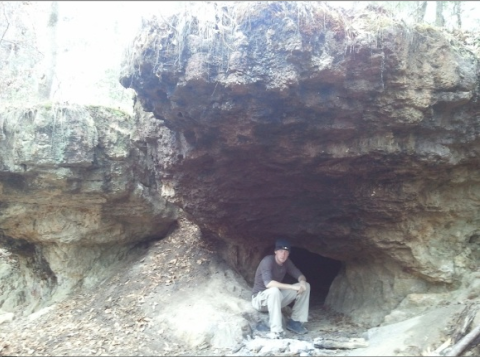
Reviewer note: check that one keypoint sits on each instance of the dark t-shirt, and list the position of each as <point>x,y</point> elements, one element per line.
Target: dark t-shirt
<point>269,270</point>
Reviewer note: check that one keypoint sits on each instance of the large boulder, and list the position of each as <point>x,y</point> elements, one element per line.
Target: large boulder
<point>75,195</point>
<point>352,134</point>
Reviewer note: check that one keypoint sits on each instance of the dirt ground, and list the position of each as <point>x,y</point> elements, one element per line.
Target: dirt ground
<point>137,309</point>
<point>119,317</point>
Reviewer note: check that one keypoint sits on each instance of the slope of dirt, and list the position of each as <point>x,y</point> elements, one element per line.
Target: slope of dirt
<point>174,297</point>
<point>116,317</point>
<point>125,314</point>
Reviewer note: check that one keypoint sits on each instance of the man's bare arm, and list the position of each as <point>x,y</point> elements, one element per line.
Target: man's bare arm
<point>299,288</point>
<point>276,284</point>
<point>303,286</point>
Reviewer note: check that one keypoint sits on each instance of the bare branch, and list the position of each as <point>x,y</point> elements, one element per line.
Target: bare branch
<point>24,45</point>
<point>465,342</point>
<point>8,24</point>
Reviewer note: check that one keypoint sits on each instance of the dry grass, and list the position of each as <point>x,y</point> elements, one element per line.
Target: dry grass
<point>214,28</point>
<point>217,24</point>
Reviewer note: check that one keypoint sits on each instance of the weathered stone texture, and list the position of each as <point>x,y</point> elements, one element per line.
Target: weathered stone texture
<point>74,196</point>
<point>353,135</point>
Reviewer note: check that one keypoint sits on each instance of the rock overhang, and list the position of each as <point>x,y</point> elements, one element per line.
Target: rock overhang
<point>346,133</point>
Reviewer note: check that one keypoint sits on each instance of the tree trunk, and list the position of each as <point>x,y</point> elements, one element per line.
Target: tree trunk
<point>420,11</point>
<point>50,60</point>
<point>439,19</point>
<point>457,10</point>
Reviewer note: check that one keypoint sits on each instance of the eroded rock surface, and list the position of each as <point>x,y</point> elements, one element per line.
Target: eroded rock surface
<point>75,196</point>
<point>353,135</point>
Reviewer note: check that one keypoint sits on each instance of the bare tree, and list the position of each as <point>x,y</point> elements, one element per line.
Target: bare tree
<point>7,22</point>
<point>420,10</point>
<point>439,19</point>
<point>457,11</point>
<point>18,50</point>
<point>50,60</point>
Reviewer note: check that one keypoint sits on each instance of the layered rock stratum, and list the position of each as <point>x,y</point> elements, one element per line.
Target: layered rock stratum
<point>75,197</point>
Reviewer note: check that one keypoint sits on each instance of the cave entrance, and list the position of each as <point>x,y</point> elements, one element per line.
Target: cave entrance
<point>319,270</point>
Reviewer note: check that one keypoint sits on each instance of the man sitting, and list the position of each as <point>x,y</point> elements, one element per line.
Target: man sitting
<point>270,294</point>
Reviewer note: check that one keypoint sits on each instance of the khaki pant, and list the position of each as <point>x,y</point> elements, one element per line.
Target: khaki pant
<point>274,299</point>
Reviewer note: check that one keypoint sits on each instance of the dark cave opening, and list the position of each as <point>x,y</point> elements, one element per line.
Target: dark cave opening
<point>320,272</point>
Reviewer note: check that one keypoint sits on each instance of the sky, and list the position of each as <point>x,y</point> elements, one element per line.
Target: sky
<point>92,38</point>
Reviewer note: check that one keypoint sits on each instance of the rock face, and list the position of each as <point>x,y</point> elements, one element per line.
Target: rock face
<point>353,135</point>
<point>75,195</point>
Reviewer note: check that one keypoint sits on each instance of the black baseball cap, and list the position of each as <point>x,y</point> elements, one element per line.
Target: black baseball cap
<point>282,244</point>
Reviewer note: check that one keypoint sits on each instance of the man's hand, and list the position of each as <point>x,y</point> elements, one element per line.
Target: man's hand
<point>302,284</point>
<point>302,287</point>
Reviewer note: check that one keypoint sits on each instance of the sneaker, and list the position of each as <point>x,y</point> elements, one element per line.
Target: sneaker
<point>262,327</point>
<point>296,326</point>
<point>276,335</point>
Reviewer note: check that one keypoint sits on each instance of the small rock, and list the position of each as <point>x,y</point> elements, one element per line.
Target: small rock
<point>6,317</point>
